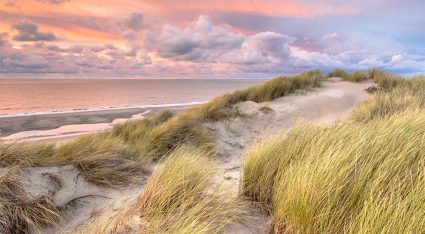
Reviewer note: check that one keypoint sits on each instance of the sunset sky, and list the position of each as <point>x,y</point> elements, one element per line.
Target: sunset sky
<point>217,38</point>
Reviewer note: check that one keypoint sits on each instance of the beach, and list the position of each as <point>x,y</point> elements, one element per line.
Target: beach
<point>326,104</point>
<point>55,126</point>
<point>107,181</point>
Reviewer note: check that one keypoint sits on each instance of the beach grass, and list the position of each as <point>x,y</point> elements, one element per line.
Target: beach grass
<point>20,210</point>
<point>158,137</point>
<point>180,197</point>
<point>399,95</point>
<point>363,175</point>
<point>122,155</point>
<point>101,158</point>
<point>189,126</point>
<point>350,178</point>
<point>116,157</point>
<point>356,76</point>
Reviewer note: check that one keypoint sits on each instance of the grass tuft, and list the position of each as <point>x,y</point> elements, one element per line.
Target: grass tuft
<point>21,211</point>
<point>356,76</point>
<point>401,96</point>
<point>158,140</point>
<point>364,175</point>
<point>180,197</point>
<point>102,158</point>
<point>347,178</point>
<point>119,156</point>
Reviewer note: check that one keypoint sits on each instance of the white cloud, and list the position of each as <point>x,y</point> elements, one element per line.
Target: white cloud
<point>331,36</point>
<point>200,41</point>
<point>203,42</point>
<point>198,47</point>
<point>397,58</point>
<point>371,62</point>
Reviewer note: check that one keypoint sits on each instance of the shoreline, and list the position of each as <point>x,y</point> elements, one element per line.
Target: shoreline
<point>85,110</point>
<point>50,122</point>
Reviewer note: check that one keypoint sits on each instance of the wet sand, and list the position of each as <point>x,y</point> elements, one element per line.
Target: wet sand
<point>17,124</point>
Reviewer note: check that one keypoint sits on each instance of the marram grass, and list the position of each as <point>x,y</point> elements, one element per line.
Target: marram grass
<point>19,210</point>
<point>364,175</point>
<point>181,197</point>
<point>400,95</point>
<point>120,156</point>
<point>157,136</point>
<point>345,178</point>
<point>101,158</point>
<point>356,76</point>
<point>189,125</point>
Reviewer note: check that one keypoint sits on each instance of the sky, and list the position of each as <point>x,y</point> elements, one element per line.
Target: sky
<point>216,38</point>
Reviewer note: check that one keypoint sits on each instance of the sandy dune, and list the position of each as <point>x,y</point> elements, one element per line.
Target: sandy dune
<point>327,104</point>
<point>256,122</point>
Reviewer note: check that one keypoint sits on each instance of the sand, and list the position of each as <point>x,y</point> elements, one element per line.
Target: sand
<point>325,105</point>
<point>257,122</point>
<point>64,126</point>
<point>79,199</point>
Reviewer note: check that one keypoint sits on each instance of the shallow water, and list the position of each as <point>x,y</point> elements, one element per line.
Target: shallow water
<point>29,96</point>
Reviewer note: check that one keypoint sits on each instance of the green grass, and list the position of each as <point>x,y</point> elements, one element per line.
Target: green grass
<point>364,175</point>
<point>387,80</point>
<point>181,197</point>
<point>134,131</point>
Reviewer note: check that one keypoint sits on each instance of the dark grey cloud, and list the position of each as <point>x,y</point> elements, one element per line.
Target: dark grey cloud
<point>29,32</point>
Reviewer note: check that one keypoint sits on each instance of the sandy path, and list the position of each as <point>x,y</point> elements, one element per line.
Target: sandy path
<point>333,101</point>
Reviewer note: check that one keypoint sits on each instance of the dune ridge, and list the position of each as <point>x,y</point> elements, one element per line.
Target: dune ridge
<point>128,161</point>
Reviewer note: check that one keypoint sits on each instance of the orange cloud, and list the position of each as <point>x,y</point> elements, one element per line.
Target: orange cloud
<point>54,16</point>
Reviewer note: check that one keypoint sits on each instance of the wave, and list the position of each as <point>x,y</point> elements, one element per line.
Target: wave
<point>82,110</point>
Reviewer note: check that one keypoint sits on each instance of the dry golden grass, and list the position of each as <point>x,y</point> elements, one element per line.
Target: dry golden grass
<point>21,212</point>
<point>134,132</point>
<point>400,95</point>
<point>102,158</point>
<point>155,141</point>
<point>120,156</point>
<point>364,175</point>
<point>350,178</point>
<point>180,197</point>
<point>356,76</point>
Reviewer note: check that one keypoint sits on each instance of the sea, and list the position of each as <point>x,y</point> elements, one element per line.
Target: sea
<point>41,96</point>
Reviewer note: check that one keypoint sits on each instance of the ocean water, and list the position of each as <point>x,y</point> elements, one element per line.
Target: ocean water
<point>36,96</point>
